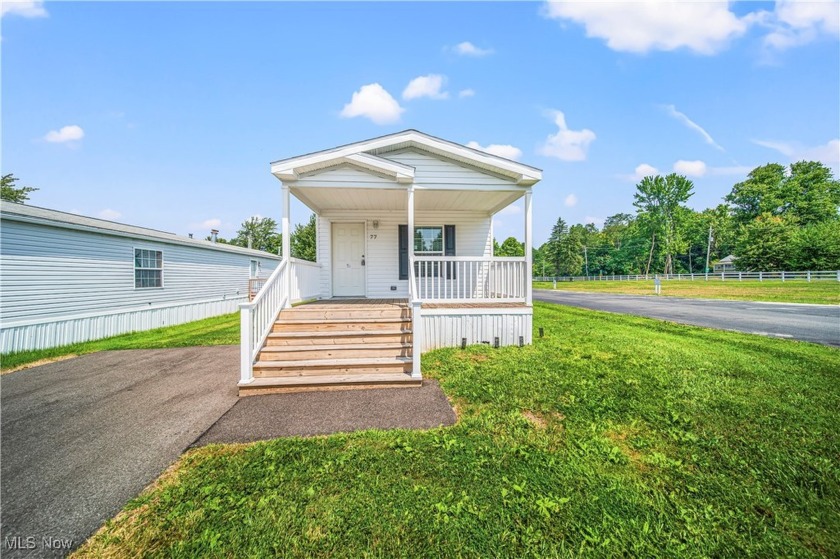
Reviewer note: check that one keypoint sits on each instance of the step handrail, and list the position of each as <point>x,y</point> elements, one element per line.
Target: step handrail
<point>258,316</point>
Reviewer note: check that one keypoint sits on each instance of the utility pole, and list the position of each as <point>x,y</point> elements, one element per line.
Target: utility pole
<point>586,259</point>
<point>708,250</point>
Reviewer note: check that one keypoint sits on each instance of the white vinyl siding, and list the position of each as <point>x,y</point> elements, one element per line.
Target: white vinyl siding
<point>431,171</point>
<point>473,238</point>
<point>52,274</point>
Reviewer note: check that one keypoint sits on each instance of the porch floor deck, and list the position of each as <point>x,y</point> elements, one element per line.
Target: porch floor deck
<point>341,302</point>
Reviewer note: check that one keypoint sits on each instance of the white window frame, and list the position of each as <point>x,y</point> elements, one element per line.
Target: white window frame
<point>424,269</point>
<point>440,252</point>
<point>148,268</point>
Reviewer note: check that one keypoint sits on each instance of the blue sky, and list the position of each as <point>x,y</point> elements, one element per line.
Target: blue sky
<point>167,115</point>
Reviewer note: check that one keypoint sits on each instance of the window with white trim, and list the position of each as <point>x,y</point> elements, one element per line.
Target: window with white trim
<point>148,268</point>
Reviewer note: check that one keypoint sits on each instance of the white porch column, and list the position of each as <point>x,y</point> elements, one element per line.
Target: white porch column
<point>287,242</point>
<point>529,257</point>
<point>410,231</point>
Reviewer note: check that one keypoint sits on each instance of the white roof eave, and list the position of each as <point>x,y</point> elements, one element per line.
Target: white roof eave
<point>287,169</point>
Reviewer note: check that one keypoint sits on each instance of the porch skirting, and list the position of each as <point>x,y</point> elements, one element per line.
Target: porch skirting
<point>446,327</point>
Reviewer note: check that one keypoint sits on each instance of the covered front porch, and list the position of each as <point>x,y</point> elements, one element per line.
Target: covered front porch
<point>405,220</point>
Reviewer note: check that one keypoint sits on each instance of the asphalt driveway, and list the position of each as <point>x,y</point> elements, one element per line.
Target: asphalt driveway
<point>83,436</point>
<point>810,323</point>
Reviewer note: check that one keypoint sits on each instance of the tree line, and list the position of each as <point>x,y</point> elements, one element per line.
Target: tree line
<point>260,233</point>
<point>779,218</point>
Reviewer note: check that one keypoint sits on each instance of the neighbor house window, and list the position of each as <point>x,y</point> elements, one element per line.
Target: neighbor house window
<point>148,268</point>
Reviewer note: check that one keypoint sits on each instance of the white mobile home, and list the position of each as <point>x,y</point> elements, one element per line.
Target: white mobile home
<point>66,278</point>
<point>404,264</point>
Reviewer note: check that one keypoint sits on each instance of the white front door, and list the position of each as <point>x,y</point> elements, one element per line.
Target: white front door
<point>348,244</point>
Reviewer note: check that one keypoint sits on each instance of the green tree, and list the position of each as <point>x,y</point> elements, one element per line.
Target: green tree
<point>816,246</point>
<point>760,193</point>
<point>552,246</point>
<point>660,205</point>
<point>511,247</point>
<point>765,243</point>
<point>11,193</point>
<point>808,192</point>
<point>303,240</point>
<point>259,233</point>
<point>570,262</point>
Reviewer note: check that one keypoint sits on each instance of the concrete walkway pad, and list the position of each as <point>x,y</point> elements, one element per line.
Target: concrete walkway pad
<point>319,413</point>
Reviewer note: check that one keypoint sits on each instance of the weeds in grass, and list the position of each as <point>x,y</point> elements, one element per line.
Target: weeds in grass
<point>611,436</point>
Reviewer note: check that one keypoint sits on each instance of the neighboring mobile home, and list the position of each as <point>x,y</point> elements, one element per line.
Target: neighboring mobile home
<point>66,278</point>
<point>404,265</point>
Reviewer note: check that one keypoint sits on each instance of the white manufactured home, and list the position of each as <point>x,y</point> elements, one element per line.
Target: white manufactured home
<point>404,265</point>
<point>66,278</point>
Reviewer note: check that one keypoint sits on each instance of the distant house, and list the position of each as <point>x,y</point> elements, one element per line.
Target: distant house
<point>725,265</point>
<point>66,278</point>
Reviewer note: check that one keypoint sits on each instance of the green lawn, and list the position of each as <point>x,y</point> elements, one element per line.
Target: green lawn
<point>799,291</point>
<point>612,436</point>
<point>219,330</point>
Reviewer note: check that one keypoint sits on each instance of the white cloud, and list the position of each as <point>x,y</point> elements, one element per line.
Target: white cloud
<point>212,223</point>
<point>109,214</point>
<point>828,153</point>
<point>634,26</point>
<point>502,150</point>
<point>468,49</point>
<point>466,93</point>
<point>690,168</point>
<point>426,86</point>
<point>566,144</point>
<point>644,170</point>
<point>24,8</point>
<point>570,201</point>
<point>674,113</point>
<point>65,134</point>
<point>795,23</point>
<point>599,221</point>
<point>374,102</point>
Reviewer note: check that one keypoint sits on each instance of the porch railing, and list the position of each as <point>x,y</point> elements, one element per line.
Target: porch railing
<point>293,280</point>
<point>416,320</point>
<point>470,278</point>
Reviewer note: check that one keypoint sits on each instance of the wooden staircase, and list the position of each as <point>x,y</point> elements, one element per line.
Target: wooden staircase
<point>336,344</point>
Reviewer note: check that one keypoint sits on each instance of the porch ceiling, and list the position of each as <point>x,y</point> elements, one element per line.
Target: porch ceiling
<point>321,199</point>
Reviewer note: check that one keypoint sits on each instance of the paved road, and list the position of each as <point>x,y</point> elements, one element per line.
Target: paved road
<point>810,323</point>
<point>81,437</point>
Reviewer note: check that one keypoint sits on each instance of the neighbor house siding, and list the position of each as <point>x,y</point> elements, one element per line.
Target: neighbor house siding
<point>63,285</point>
<point>473,238</point>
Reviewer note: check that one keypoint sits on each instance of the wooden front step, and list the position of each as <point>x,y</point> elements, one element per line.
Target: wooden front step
<point>328,345</point>
<point>338,337</point>
<point>327,382</point>
<point>316,367</point>
<point>334,351</point>
<point>314,312</point>
<point>340,324</point>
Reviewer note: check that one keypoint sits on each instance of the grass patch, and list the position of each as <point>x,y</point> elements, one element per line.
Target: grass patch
<point>218,330</point>
<point>800,291</point>
<point>612,436</point>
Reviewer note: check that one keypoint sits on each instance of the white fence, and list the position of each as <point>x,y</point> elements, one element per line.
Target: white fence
<point>822,275</point>
<point>469,278</point>
<point>293,280</point>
